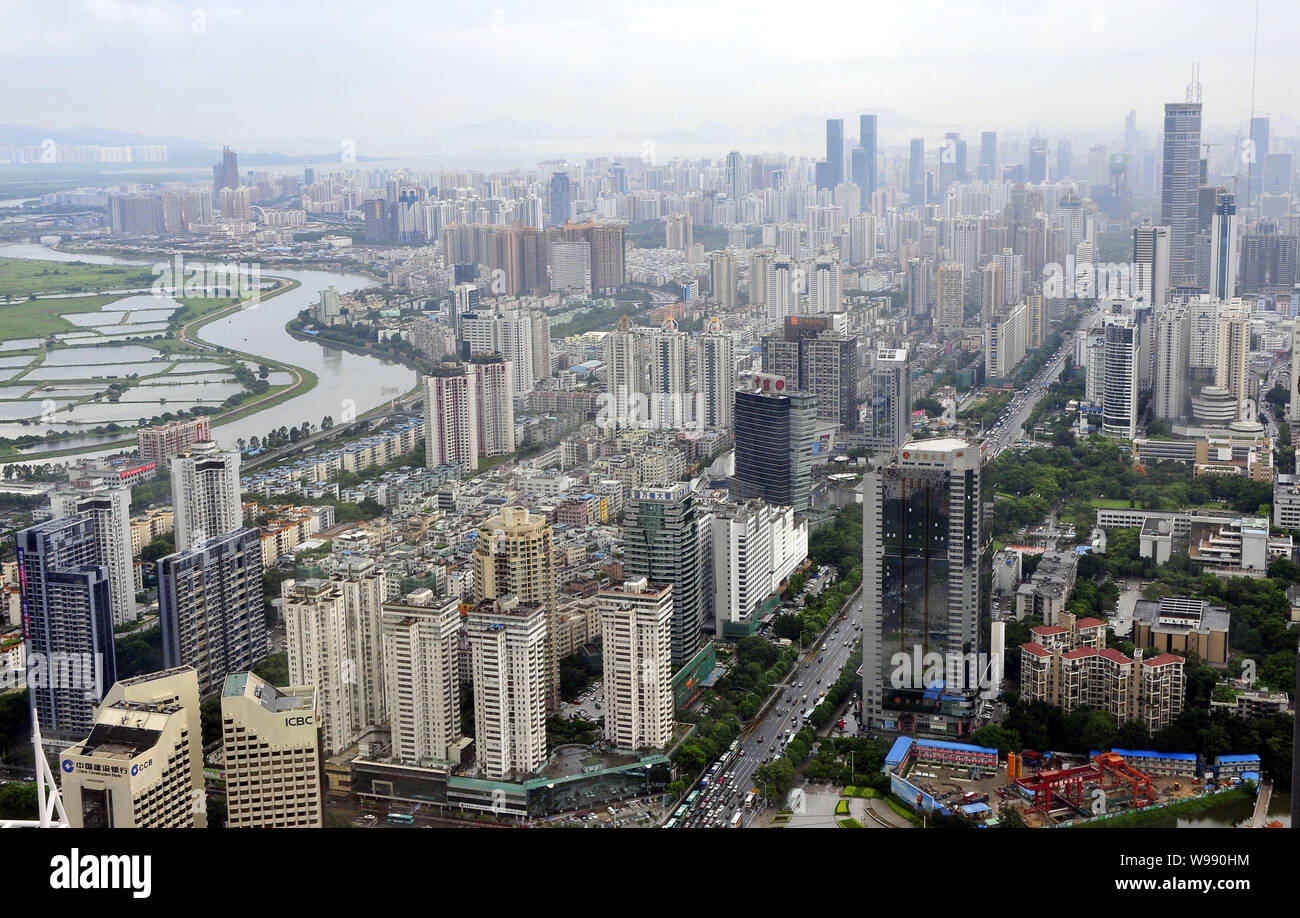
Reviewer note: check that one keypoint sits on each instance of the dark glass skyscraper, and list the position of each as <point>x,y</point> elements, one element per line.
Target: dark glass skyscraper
<point>988,167</point>
<point>774,434</point>
<point>835,151</point>
<point>1180,179</point>
<point>923,529</point>
<point>561,200</point>
<point>916,171</point>
<point>865,176</point>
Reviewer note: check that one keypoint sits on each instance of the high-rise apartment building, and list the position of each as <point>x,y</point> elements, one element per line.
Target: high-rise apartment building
<point>514,556</point>
<point>316,636</point>
<point>451,417</point>
<point>109,508</point>
<point>950,308</point>
<point>205,494</point>
<point>508,646</point>
<point>890,407</point>
<point>270,739</point>
<point>1170,383</point>
<point>1151,263</point>
<point>68,621</point>
<point>421,635</point>
<point>1120,389</point>
<point>716,362</point>
<point>211,607</point>
<point>636,624</point>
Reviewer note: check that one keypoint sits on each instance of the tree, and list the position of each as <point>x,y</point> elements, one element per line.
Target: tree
<point>18,800</point>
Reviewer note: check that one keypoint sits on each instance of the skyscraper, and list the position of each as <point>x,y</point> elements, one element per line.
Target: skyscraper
<point>422,677</point>
<point>109,509</point>
<point>671,405</point>
<point>814,356</point>
<point>1172,355</point>
<point>363,586</point>
<point>271,741</point>
<point>1224,248</point>
<point>211,607</point>
<point>1120,389</point>
<point>865,167</point>
<point>492,377</point>
<point>225,174</point>
<point>68,621</point>
<point>716,362</point>
<point>451,417</point>
<point>988,167</point>
<point>316,637</point>
<point>561,200</point>
<point>774,440</point>
<point>205,494</point>
<point>141,764</point>
<point>1178,189</point>
<point>661,544</point>
<point>509,645</point>
<point>1151,262</point>
<point>514,556</point>
<point>636,624</point>
<point>923,531</point>
<point>735,175</point>
<point>916,172</point>
<point>1257,156</point>
<point>950,311</point>
<point>835,151</point>
<point>890,406</point>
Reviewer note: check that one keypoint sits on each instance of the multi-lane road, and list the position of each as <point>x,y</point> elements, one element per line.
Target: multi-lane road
<point>814,673</point>
<point>1007,430</point>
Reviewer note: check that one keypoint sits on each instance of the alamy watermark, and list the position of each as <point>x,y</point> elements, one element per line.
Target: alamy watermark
<point>206,280</point>
<point>1089,280</point>
<point>953,672</point>
<point>625,409</point>
<point>63,671</point>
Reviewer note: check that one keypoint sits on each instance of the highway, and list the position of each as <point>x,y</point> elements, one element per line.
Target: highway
<point>1007,429</point>
<point>815,672</point>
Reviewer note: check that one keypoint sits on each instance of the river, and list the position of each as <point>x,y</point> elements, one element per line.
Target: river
<point>346,381</point>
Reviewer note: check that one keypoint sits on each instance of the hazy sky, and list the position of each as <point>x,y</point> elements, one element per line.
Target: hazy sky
<point>300,77</point>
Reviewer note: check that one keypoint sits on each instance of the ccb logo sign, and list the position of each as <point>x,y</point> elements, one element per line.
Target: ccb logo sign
<point>67,765</point>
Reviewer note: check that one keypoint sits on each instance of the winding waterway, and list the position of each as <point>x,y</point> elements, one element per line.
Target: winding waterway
<point>344,380</point>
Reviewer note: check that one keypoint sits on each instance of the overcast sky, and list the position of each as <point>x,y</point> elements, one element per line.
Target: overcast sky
<point>299,77</point>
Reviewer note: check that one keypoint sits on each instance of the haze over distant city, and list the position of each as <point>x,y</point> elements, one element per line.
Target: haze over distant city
<point>415,78</point>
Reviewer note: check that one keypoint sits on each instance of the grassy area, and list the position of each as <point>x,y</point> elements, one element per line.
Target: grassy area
<point>903,811</point>
<point>841,808</point>
<point>1169,811</point>
<point>849,823</point>
<point>42,318</point>
<point>1109,502</point>
<point>20,277</point>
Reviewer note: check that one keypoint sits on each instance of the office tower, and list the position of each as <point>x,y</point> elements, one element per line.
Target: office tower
<point>988,166</point>
<point>364,587</point>
<point>625,378</point>
<point>919,297</point>
<point>755,548</point>
<point>1006,336</point>
<point>1232,354</point>
<point>867,140</point>
<point>316,638</point>
<point>774,440</point>
<point>205,494</point>
<point>141,764</point>
<point>636,625</point>
<point>225,174</point>
<point>1178,189</point>
<point>1151,264</point>
<point>665,350</point>
<point>813,355</point>
<point>1037,161</point>
<point>1257,157</point>
<point>493,380</point>
<point>1224,248</point>
<point>270,738</point>
<point>451,417</point>
<point>950,312</point>
<point>514,556</point>
<point>890,407</point>
<point>1063,160</point>
<point>509,646</point>
<point>735,175</point>
<point>724,278</point>
<point>1172,356</point>
<point>109,509</point>
<point>68,622</point>
<point>923,531</point>
<point>916,172</point>
<point>661,544</point>
<point>1119,400</point>
<point>422,677</point>
<point>211,607</point>
<point>716,360</point>
<point>561,200</point>
<point>834,152</point>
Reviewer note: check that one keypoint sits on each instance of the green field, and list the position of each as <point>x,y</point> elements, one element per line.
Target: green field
<point>41,318</point>
<point>20,277</point>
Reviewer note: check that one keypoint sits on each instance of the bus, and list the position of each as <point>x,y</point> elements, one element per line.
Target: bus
<point>749,800</point>
<point>405,819</point>
<point>735,819</point>
<point>690,799</point>
<point>671,824</point>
